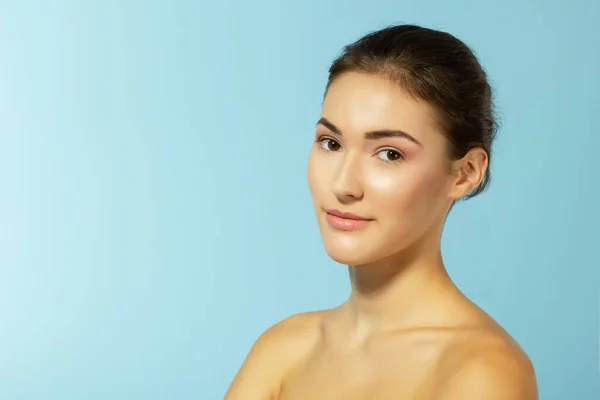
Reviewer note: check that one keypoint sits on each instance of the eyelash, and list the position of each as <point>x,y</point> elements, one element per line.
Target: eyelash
<point>321,139</point>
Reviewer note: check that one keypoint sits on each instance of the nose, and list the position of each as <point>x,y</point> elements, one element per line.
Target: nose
<point>346,186</point>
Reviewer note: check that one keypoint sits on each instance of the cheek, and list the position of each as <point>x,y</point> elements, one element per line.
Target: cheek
<point>404,191</point>
<point>315,173</point>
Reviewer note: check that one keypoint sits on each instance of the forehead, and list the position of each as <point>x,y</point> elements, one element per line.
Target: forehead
<point>358,102</point>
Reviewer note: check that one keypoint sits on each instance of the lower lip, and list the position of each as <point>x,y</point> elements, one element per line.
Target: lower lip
<point>346,224</point>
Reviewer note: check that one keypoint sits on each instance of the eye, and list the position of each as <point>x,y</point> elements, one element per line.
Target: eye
<point>390,155</point>
<point>329,144</point>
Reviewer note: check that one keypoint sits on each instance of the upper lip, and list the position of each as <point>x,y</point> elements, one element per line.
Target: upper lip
<point>346,215</point>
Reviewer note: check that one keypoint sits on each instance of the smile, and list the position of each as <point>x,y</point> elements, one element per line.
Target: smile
<point>346,221</point>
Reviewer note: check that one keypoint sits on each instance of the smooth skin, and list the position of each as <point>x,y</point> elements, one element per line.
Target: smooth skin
<point>406,331</point>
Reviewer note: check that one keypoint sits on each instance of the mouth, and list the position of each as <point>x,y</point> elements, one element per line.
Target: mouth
<point>344,221</point>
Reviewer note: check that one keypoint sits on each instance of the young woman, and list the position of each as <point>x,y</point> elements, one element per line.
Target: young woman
<point>406,130</point>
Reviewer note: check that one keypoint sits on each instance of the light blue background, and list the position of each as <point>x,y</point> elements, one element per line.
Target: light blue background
<point>155,217</point>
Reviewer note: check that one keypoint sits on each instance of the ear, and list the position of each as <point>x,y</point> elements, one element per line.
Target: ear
<point>468,172</point>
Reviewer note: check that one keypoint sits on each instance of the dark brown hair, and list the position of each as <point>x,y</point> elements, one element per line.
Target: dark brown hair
<point>435,67</point>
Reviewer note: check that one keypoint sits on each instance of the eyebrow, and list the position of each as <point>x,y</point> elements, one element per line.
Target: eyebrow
<point>371,135</point>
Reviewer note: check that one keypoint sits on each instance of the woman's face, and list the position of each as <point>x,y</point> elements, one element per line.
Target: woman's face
<point>379,155</point>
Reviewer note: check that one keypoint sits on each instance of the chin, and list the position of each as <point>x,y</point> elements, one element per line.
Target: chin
<point>367,246</point>
<point>346,259</point>
<point>349,250</point>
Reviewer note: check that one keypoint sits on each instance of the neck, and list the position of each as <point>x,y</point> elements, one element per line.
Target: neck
<point>408,290</point>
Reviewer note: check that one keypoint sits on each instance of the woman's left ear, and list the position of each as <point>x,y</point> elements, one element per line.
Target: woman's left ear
<point>468,172</point>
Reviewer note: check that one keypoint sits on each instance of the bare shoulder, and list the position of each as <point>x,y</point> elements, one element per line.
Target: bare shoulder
<point>276,350</point>
<point>486,365</point>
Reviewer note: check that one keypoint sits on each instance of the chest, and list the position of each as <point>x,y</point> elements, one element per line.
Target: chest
<point>374,376</point>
